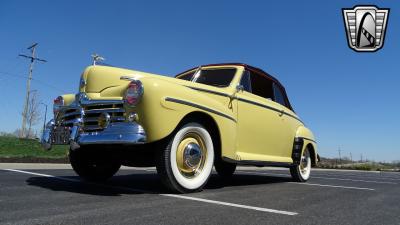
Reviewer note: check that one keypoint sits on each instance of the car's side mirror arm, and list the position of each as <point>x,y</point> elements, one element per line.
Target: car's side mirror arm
<point>239,88</point>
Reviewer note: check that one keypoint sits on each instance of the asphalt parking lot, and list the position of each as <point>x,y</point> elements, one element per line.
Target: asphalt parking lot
<point>46,195</point>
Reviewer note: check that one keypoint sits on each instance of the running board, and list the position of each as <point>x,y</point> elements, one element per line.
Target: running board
<point>257,163</point>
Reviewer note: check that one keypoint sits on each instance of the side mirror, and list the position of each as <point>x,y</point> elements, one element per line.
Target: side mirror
<point>239,88</point>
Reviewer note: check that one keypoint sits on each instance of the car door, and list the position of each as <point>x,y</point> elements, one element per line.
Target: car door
<point>288,120</point>
<point>261,134</point>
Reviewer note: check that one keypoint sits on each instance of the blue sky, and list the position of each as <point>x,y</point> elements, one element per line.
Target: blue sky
<point>350,100</point>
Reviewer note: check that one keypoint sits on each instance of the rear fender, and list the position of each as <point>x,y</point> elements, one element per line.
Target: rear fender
<point>308,140</point>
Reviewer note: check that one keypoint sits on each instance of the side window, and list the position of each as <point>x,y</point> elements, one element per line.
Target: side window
<point>187,76</point>
<point>245,81</point>
<point>279,96</point>
<point>261,86</point>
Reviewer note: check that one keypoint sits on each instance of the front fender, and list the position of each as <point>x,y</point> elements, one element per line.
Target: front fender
<point>68,99</point>
<point>164,104</point>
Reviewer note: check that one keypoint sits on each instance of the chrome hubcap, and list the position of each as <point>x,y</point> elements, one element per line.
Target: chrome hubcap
<point>304,163</point>
<point>192,155</point>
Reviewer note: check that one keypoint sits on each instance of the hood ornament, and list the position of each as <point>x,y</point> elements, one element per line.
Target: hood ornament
<point>97,59</point>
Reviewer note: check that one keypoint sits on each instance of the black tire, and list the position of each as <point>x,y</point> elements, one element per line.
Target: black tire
<point>224,169</point>
<point>167,165</point>
<point>93,166</point>
<point>299,174</point>
<point>164,168</point>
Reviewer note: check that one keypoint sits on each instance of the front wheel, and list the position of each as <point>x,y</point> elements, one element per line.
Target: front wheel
<point>93,166</point>
<point>185,164</point>
<point>301,172</point>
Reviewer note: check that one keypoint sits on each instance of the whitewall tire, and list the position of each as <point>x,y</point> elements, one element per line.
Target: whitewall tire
<point>301,172</point>
<point>185,164</point>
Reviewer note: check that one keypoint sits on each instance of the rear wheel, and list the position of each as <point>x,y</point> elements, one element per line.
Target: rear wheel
<point>225,169</point>
<point>93,166</point>
<point>185,163</point>
<point>301,172</point>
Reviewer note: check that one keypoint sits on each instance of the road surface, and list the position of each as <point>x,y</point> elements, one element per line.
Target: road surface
<point>53,194</point>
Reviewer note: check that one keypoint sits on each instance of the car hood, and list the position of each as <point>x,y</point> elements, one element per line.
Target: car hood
<point>105,81</point>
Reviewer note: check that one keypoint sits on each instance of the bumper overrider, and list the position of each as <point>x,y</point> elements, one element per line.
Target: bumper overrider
<point>75,132</point>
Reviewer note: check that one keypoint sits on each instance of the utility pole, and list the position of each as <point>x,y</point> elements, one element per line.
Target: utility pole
<point>32,58</point>
<point>351,157</point>
<point>340,156</point>
<point>97,58</point>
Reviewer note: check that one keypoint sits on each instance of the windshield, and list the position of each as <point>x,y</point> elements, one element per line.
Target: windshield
<point>213,77</point>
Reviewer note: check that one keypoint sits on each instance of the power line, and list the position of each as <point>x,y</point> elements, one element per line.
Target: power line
<point>49,85</point>
<point>9,65</point>
<point>13,75</point>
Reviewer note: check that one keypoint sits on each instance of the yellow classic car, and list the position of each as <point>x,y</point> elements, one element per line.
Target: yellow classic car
<point>218,115</point>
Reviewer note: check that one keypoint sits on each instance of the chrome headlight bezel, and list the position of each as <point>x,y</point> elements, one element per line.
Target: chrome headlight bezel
<point>57,104</point>
<point>82,83</point>
<point>133,93</point>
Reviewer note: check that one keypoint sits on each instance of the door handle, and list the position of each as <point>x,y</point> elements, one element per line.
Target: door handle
<point>281,112</point>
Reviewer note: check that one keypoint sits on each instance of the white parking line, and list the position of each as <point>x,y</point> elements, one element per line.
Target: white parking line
<point>329,178</point>
<point>311,184</point>
<point>166,195</point>
<point>335,186</point>
<point>355,180</point>
<point>377,177</point>
<point>231,204</point>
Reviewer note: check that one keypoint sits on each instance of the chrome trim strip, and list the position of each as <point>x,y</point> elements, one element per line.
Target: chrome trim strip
<point>309,139</point>
<point>91,119</point>
<point>209,91</point>
<point>92,127</point>
<point>245,100</point>
<point>85,102</point>
<point>109,110</point>
<point>113,118</point>
<point>69,107</point>
<point>128,78</point>
<point>71,114</point>
<point>73,121</point>
<point>270,108</point>
<point>179,101</point>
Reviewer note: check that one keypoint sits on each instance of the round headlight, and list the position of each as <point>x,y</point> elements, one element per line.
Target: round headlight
<point>82,83</point>
<point>57,103</point>
<point>134,93</point>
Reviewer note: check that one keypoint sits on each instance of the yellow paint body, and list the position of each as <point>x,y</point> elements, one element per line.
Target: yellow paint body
<point>250,133</point>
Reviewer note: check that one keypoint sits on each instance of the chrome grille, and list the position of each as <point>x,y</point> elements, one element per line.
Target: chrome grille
<point>69,115</point>
<point>92,113</point>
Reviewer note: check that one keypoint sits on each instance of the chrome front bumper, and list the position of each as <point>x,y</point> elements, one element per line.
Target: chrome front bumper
<point>127,133</point>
